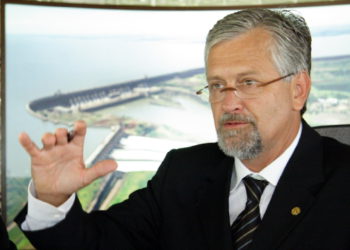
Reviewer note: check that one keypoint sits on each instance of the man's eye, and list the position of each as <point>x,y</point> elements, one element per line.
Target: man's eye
<point>216,86</point>
<point>248,82</point>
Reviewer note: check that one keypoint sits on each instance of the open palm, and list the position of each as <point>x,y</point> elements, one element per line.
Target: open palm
<point>58,168</point>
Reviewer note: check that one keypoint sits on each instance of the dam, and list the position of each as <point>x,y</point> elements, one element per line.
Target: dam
<point>93,99</point>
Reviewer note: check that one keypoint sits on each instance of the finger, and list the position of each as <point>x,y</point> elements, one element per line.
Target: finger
<point>70,135</point>
<point>101,168</point>
<point>79,132</point>
<point>28,144</point>
<point>61,136</point>
<point>48,140</point>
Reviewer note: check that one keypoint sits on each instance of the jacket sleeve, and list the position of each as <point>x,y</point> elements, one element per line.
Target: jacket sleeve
<point>5,242</point>
<point>133,224</point>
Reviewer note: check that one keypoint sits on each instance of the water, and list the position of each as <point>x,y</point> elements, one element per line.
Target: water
<point>39,66</point>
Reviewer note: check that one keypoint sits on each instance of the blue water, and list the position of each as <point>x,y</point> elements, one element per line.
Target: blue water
<point>38,66</point>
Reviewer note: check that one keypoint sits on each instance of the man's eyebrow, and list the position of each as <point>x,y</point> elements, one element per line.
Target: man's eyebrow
<point>216,77</point>
<point>252,72</point>
<point>211,78</point>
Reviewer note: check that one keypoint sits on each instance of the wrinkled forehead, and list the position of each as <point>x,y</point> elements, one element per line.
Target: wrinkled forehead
<point>250,49</point>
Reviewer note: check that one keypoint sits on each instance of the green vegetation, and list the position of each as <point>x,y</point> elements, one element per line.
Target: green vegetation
<point>331,73</point>
<point>131,182</point>
<point>88,194</point>
<point>329,101</point>
<point>19,239</point>
<point>168,132</point>
<point>16,195</point>
<point>16,199</point>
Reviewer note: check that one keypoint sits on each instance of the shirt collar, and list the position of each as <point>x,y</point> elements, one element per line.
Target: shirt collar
<point>271,172</point>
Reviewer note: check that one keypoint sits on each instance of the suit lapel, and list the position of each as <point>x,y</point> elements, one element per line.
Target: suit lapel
<point>213,205</point>
<point>294,193</point>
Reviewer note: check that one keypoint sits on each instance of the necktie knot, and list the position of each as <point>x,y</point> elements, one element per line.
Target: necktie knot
<point>254,188</point>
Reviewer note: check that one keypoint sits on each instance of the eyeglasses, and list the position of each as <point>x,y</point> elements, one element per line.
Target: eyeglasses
<point>244,89</point>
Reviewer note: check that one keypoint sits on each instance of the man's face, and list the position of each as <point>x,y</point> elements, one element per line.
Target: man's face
<point>249,127</point>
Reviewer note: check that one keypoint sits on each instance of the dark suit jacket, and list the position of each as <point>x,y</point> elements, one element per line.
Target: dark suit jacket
<point>185,206</point>
<point>5,242</point>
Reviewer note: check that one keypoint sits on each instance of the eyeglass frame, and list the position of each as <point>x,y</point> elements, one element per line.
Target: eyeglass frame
<point>199,92</point>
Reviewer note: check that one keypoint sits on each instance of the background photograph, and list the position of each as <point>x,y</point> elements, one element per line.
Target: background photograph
<point>132,74</point>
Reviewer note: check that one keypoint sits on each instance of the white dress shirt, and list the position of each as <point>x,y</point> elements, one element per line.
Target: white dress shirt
<point>42,215</point>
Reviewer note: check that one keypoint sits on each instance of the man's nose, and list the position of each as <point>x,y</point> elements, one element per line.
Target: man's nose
<point>231,102</point>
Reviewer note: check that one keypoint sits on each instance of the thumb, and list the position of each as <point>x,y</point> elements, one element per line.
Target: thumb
<point>101,168</point>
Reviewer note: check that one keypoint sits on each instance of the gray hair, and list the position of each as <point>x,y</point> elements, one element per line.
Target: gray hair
<point>292,40</point>
<point>291,50</point>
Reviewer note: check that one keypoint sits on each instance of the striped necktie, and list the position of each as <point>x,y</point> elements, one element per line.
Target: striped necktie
<point>247,222</point>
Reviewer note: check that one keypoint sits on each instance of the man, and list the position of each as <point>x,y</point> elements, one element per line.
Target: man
<point>271,182</point>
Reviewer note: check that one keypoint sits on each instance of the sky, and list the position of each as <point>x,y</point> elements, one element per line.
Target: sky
<point>84,21</point>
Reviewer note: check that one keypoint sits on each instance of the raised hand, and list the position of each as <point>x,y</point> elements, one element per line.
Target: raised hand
<point>58,168</point>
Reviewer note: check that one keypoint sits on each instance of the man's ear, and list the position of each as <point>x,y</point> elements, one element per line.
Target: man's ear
<point>301,85</point>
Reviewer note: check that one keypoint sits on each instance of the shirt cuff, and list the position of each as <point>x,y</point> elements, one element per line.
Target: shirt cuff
<point>42,215</point>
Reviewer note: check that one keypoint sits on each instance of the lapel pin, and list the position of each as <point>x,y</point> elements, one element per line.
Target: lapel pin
<point>295,211</point>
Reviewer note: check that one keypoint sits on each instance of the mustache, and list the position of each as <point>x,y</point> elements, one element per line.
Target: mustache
<point>236,117</point>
